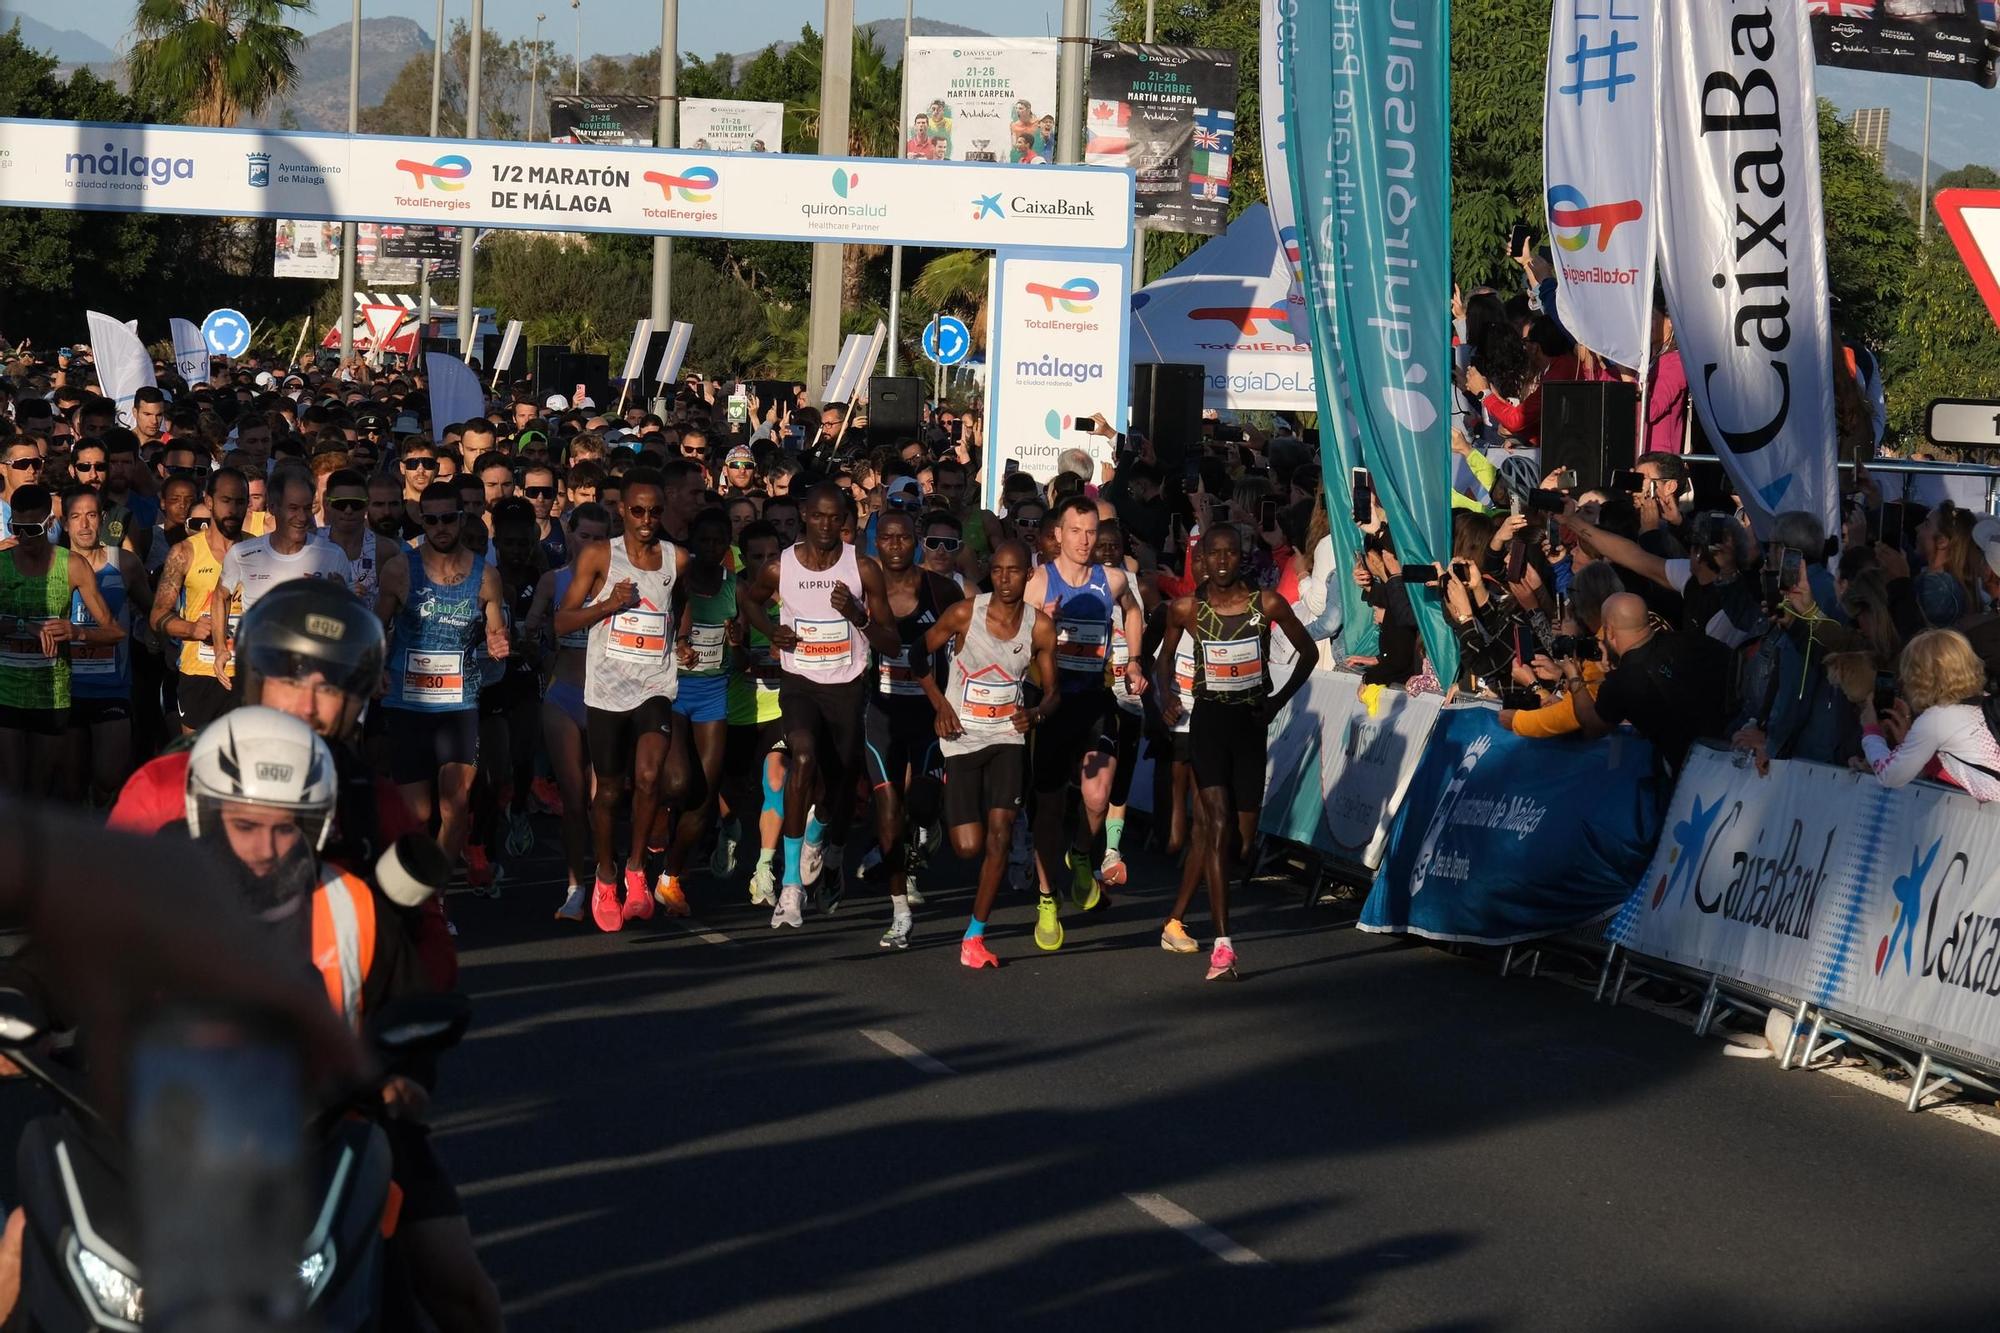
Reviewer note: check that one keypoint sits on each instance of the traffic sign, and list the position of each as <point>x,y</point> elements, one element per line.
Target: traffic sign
<point>226,332</point>
<point>1964,423</point>
<point>947,341</point>
<point>1972,219</point>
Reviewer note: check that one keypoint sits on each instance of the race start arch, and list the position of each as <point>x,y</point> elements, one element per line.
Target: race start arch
<point>1062,235</point>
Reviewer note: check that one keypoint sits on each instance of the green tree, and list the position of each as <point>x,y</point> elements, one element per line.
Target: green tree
<point>1871,240</point>
<point>1944,344</point>
<point>506,70</point>
<point>1499,50</point>
<point>219,59</point>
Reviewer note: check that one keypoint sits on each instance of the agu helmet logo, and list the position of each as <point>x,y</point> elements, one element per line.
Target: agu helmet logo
<point>1575,219</point>
<point>447,173</point>
<point>696,185</point>
<point>1075,296</point>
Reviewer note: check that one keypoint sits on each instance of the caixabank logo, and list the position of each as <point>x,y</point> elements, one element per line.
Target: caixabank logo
<point>1773,880</point>
<point>1936,930</point>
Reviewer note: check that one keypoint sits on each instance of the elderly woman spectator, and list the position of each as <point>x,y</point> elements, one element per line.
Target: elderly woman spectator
<point>1937,729</point>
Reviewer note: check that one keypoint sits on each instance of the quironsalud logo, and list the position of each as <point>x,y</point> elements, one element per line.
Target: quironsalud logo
<point>845,180</point>
<point>1055,423</point>
<point>258,167</point>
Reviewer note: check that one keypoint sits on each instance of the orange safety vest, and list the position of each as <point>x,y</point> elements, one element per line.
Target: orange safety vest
<point>343,940</point>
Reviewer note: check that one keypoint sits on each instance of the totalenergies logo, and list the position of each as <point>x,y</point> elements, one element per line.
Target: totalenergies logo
<point>696,185</point>
<point>1575,219</point>
<point>1075,296</point>
<point>1244,317</point>
<point>447,173</point>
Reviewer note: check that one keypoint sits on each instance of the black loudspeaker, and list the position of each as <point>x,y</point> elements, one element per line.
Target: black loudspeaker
<point>445,345</point>
<point>593,371</point>
<point>547,362</point>
<point>1166,409</point>
<point>895,408</point>
<point>489,352</point>
<point>1592,427</point>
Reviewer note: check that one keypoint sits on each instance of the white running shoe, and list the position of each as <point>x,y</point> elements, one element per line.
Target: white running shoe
<point>763,886</point>
<point>790,910</point>
<point>723,863</point>
<point>898,934</point>
<point>812,860</point>
<point>576,906</point>
<point>916,898</point>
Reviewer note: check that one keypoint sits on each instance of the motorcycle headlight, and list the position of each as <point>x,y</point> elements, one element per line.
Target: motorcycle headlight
<point>315,1270</point>
<point>117,1299</point>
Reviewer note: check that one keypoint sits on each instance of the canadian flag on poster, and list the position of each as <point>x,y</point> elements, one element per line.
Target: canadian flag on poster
<point>1110,139</point>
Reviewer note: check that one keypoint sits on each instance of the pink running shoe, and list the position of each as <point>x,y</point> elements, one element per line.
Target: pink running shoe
<point>604,907</point>
<point>973,953</point>
<point>638,897</point>
<point>1222,962</point>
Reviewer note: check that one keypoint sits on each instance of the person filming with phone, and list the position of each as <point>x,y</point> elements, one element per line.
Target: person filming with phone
<point>1667,686</point>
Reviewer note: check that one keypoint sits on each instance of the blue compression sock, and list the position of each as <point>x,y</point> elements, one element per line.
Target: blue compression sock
<point>975,928</point>
<point>795,850</point>
<point>815,831</point>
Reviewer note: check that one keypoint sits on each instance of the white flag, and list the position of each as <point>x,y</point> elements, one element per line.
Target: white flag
<point>1276,31</point>
<point>1601,91</point>
<point>455,393</point>
<point>1743,247</point>
<point>678,336</point>
<point>635,355</point>
<point>190,351</point>
<point>509,342</point>
<point>124,366</point>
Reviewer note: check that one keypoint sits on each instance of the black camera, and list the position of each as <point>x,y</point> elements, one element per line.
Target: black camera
<point>1582,647</point>
<point>1519,698</point>
<point>1885,691</point>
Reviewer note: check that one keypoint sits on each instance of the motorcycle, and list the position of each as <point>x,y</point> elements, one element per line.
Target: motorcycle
<point>232,1209</point>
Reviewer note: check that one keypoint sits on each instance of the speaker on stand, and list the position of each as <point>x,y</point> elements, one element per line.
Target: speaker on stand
<point>1592,427</point>
<point>1166,409</point>
<point>895,409</point>
<point>547,362</point>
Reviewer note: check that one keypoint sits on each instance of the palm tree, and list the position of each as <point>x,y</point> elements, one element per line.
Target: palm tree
<point>874,107</point>
<point>955,284</point>
<point>219,60</point>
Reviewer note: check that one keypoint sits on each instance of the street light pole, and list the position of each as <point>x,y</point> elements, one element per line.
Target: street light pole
<point>670,59</point>
<point>576,83</point>
<point>349,233</point>
<point>1139,231</point>
<point>896,252</point>
<point>534,77</point>
<point>1069,88</point>
<point>437,95</point>
<point>468,318</point>
<point>836,88</point>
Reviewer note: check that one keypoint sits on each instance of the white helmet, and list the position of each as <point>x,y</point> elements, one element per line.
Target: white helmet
<point>261,757</point>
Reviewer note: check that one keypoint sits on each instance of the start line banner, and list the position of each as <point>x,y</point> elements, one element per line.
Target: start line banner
<point>560,187</point>
<point>1820,884</point>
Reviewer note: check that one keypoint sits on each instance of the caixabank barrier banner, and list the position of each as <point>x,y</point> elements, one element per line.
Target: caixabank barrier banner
<point>1169,113</point>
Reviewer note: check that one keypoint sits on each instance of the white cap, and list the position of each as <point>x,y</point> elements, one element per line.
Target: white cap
<point>265,379</point>
<point>585,403</point>
<point>556,403</point>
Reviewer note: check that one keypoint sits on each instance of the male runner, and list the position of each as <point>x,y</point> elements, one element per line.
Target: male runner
<point>510,707</point>
<point>256,565</point>
<point>347,532</point>
<point>1084,598</point>
<point>418,459</point>
<point>435,604</point>
<point>707,666</point>
<point>38,582</point>
<point>1228,735</point>
<point>754,758</point>
<point>825,591</point>
<point>538,485</point>
<point>185,606</point>
<point>1129,718</point>
<point>901,727</point>
<point>627,593</point>
<point>982,724</point>
<point>563,715</point>
<point>100,675</point>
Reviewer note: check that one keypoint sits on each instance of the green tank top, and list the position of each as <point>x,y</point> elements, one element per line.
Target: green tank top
<point>30,678</point>
<point>753,694</point>
<point>710,617</point>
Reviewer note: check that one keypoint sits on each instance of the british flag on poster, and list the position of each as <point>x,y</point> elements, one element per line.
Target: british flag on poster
<point>1842,9</point>
<point>1110,139</point>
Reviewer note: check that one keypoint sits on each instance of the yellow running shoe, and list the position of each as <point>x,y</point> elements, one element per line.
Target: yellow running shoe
<point>1048,926</point>
<point>1083,888</point>
<point>1175,939</point>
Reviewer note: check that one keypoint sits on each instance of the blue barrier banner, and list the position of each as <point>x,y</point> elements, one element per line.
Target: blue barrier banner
<point>1501,839</point>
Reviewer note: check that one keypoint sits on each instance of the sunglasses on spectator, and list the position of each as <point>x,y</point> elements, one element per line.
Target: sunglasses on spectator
<point>420,465</point>
<point>30,529</point>
<point>442,520</point>
<point>741,467</point>
<point>25,464</point>
<point>1027,522</point>
<point>198,524</point>
<point>942,544</point>
<point>539,492</point>
<point>347,504</point>
<point>88,467</point>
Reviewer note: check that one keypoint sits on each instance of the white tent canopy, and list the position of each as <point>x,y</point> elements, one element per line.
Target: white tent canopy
<point>1229,308</point>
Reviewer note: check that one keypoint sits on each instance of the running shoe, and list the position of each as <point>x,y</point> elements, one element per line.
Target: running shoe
<point>916,898</point>
<point>1048,924</point>
<point>723,863</point>
<point>828,890</point>
<point>897,936</point>
<point>520,833</point>
<point>1222,963</point>
<point>1175,939</point>
<point>638,902</point>
<point>573,906</point>
<point>763,886</point>
<point>544,793</point>
<point>973,953</point>
<point>871,864</point>
<point>790,910</point>
<point>812,860</point>
<point>604,907</point>
<point>1083,886</point>
<point>1112,872</point>
<point>481,875</point>
<point>668,893</point>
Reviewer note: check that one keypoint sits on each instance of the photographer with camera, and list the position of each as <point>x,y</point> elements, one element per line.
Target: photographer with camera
<point>1552,714</point>
<point>1667,686</point>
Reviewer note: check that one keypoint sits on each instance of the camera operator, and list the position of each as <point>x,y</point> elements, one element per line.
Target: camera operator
<point>1716,597</point>
<point>1553,714</point>
<point>1668,686</point>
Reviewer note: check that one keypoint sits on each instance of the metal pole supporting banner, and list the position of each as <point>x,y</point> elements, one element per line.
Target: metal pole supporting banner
<point>836,79</point>
<point>535,77</point>
<point>576,79</point>
<point>670,59</point>
<point>896,251</point>
<point>1069,89</point>
<point>1139,227</point>
<point>349,233</point>
<point>468,318</point>
<point>437,92</point>
<point>1924,172</point>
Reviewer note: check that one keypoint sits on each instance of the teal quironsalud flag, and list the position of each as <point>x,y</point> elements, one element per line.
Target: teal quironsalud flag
<point>1370,117</point>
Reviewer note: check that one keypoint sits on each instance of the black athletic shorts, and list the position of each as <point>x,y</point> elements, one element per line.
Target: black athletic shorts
<point>1125,745</point>
<point>428,1193</point>
<point>613,736</point>
<point>1070,733</point>
<point>90,712</point>
<point>35,721</point>
<point>831,713</point>
<point>902,737</point>
<point>200,700</point>
<point>988,779</point>
<point>516,689</point>
<point>422,743</point>
<point>746,744</point>
<point>1227,744</point>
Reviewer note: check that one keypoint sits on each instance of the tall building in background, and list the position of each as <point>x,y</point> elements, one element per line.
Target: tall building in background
<point>1871,127</point>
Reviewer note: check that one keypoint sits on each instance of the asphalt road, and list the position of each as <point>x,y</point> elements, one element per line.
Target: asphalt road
<point>716,1125</point>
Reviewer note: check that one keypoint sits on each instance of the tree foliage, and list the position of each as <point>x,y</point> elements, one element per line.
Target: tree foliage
<point>1871,240</point>
<point>1944,344</point>
<point>1499,50</point>
<point>219,59</point>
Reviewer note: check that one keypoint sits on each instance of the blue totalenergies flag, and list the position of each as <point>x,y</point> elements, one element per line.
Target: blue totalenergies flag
<point>1369,112</point>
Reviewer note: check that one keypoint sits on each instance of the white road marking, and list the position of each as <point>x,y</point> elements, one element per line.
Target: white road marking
<point>1162,1209</point>
<point>710,936</point>
<point>902,1050</point>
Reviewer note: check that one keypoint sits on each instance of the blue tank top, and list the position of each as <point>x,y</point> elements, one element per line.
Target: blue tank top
<point>579,639</point>
<point>555,548</point>
<point>98,671</point>
<point>1083,627</point>
<point>433,669</point>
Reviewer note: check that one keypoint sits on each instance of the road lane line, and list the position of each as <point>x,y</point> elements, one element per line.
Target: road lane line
<point>902,1050</point>
<point>1162,1209</point>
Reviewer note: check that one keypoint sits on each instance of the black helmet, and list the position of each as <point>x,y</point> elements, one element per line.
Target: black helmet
<point>304,626</point>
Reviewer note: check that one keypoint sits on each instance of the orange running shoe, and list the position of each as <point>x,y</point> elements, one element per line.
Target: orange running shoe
<point>668,893</point>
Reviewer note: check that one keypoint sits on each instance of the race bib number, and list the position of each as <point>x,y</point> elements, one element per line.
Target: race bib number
<point>204,651</point>
<point>710,643</point>
<point>1081,645</point>
<point>824,645</point>
<point>897,678</point>
<point>1231,665</point>
<point>638,636</point>
<point>434,678</point>
<point>22,650</point>
<point>764,664</point>
<point>93,659</point>
<point>989,703</point>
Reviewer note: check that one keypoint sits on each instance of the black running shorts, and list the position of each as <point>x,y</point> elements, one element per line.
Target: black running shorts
<point>1227,744</point>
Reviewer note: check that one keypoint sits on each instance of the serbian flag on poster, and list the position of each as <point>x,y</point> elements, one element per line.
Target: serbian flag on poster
<point>1110,140</point>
